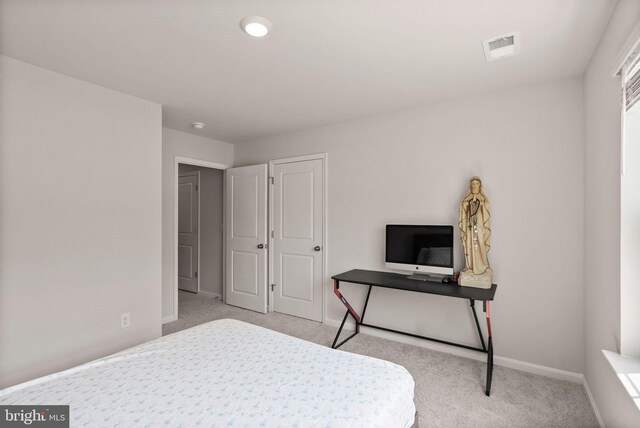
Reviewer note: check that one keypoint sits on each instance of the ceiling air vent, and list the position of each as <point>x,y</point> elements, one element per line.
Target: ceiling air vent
<point>502,47</point>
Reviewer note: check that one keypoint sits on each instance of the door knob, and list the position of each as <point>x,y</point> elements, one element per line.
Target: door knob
<point>261,246</point>
<point>317,248</point>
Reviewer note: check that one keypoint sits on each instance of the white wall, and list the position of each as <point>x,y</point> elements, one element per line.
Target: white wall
<point>413,167</point>
<point>602,219</point>
<point>80,228</point>
<point>176,143</point>
<point>211,212</point>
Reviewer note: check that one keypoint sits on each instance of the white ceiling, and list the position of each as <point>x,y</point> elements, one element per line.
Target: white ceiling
<point>325,60</point>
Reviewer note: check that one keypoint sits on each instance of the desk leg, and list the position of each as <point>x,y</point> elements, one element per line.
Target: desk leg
<point>350,311</point>
<point>475,318</point>
<point>366,302</point>
<point>490,350</point>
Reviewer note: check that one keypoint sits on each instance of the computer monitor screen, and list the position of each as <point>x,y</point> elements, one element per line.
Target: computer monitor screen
<point>421,248</point>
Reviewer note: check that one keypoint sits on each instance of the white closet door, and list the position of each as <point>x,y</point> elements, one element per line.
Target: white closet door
<point>246,237</point>
<point>298,238</point>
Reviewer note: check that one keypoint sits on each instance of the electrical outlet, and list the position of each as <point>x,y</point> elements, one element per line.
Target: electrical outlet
<point>125,320</point>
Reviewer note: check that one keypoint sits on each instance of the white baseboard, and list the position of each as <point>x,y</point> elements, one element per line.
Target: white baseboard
<point>538,369</point>
<point>593,402</point>
<point>467,353</point>
<point>170,318</point>
<point>210,294</point>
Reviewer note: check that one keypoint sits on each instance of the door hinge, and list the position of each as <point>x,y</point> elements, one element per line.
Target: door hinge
<point>273,180</point>
<point>196,274</point>
<point>273,287</point>
<point>273,234</point>
<point>196,187</point>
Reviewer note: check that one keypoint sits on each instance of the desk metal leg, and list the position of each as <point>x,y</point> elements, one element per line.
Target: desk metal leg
<point>487,308</point>
<point>350,311</point>
<point>366,302</point>
<point>475,317</point>
<point>340,331</point>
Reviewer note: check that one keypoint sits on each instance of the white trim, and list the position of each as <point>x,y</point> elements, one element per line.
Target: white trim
<point>461,352</point>
<point>168,319</point>
<point>623,366</point>
<point>210,294</point>
<point>592,401</point>
<point>187,161</point>
<point>538,369</point>
<point>623,118</point>
<point>325,220</point>
<point>627,49</point>
<point>224,237</point>
<point>269,238</point>
<point>198,188</point>
<point>298,158</point>
<point>200,162</point>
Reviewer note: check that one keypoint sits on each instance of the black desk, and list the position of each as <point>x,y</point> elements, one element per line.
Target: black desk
<point>401,282</point>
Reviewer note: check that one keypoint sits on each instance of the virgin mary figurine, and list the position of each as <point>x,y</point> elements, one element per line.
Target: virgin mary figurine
<point>474,234</point>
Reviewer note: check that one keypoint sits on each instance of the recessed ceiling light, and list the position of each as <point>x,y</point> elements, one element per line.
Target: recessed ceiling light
<point>502,47</point>
<point>197,125</point>
<point>255,26</point>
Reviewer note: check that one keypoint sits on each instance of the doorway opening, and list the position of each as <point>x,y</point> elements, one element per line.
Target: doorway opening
<point>200,210</point>
<point>198,244</point>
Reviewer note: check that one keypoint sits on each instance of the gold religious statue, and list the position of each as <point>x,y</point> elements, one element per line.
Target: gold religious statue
<point>474,234</point>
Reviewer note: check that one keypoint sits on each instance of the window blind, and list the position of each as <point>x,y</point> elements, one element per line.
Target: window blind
<point>632,83</point>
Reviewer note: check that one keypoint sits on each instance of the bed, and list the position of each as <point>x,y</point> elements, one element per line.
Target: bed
<point>228,373</point>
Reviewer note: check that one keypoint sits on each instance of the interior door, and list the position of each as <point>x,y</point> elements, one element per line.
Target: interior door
<point>188,212</point>
<point>246,237</point>
<point>298,238</point>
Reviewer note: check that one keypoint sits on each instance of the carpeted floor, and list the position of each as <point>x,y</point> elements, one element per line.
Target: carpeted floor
<point>449,389</point>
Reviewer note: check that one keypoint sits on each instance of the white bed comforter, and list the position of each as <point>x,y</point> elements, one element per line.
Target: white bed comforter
<point>228,373</point>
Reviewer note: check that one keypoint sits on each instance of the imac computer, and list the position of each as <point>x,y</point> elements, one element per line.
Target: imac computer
<point>427,251</point>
